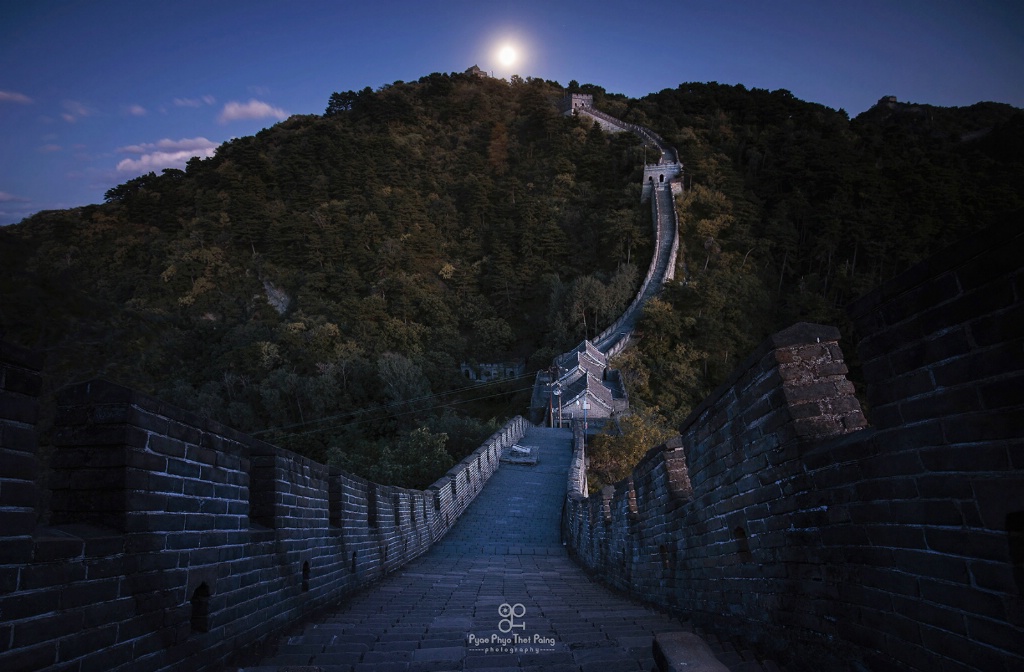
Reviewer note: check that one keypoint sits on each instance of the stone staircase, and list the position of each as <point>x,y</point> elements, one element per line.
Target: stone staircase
<point>498,592</point>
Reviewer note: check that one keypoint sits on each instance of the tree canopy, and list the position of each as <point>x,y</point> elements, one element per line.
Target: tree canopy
<point>791,210</point>
<point>320,282</point>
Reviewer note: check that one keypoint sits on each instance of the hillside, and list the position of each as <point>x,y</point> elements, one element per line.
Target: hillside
<point>793,210</point>
<point>342,266</point>
<point>324,278</point>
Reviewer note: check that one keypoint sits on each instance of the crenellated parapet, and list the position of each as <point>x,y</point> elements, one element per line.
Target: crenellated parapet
<point>175,541</point>
<point>791,390</point>
<point>779,517</point>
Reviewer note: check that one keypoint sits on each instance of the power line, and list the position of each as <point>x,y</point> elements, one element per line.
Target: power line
<point>290,437</point>
<point>394,404</point>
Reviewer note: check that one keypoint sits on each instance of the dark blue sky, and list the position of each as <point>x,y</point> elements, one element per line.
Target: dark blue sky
<point>95,93</point>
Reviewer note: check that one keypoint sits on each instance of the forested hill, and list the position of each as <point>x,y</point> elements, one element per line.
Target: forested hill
<point>343,265</point>
<point>340,267</point>
<point>792,210</point>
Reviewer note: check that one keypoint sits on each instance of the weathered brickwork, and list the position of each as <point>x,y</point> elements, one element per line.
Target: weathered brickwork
<point>176,541</point>
<point>20,382</point>
<point>776,517</point>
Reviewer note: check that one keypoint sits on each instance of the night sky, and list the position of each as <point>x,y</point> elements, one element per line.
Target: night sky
<point>95,93</point>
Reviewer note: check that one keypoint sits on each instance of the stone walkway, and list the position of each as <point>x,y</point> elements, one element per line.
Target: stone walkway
<point>444,610</point>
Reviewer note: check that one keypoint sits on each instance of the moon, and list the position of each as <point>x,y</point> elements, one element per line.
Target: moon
<point>507,55</point>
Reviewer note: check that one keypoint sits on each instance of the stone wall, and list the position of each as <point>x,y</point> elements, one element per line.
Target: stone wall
<point>176,541</point>
<point>777,518</point>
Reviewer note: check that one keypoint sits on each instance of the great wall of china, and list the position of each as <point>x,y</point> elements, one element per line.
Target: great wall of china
<point>783,518</point>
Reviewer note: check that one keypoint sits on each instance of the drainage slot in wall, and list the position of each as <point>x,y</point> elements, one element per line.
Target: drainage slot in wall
<point>200,619</point>
<point>742,545</point>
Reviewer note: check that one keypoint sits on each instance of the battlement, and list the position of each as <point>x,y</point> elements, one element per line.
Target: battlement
<point>176,541</point>
<point>778,517</point>
<point>575,101</point>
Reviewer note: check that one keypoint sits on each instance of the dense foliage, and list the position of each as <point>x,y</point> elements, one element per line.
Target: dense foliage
<point>325,278</point>
<point>318,284</point>
<point>791,211</point>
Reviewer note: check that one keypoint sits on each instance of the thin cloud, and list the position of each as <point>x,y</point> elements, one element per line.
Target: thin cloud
<point>74,110</point>
<point>50,148</point>
<point>254,109</point>
<point>136,110</point>
<point>14,97</point>
<point>168,145</point>
<point>194,102</point>
<point>11,198</point>
<point>164,153</point>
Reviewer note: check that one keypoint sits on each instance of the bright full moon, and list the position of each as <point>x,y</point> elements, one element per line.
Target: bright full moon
<point>507,55</point>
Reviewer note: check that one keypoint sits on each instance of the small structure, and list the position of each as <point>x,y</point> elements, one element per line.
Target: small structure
<point>524,455</point>
<point>475,70</point>
<point>658,174</point>
<point>579,385</point>
<point>575,101</point>
<point>490,371</point>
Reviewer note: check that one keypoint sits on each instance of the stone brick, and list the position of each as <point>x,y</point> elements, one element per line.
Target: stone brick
<point>89,641</point>
<point>983,427</point>
<point>896,536</point>
<point>45,575</point>
<point>963,598</point>
<point>993,576</point>
<point>891,580</point>
<point>993,362</point>
<point>110,658</point>
<point>1002,393</point>
<point>40,657</point>
<point>965,308</point>
<point>16,522</point>
<point>19,408</point>
<point>942,404</point>
<point>20,380</point>
<point>907,385</point>
<point>46,629</point>
<point>16,441</point>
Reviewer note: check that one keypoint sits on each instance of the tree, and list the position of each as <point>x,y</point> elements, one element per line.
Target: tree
<point>491,339</point>
<point>403,384</point>
<point>341,102</point>
<point>415,461</point>
<point>123,192</point>
<point>612,457</point>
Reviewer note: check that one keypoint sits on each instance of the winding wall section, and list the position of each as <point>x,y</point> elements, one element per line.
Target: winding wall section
<point>660,185</point>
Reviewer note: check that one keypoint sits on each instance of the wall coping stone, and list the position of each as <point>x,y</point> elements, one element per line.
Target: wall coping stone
<point>799,334</point>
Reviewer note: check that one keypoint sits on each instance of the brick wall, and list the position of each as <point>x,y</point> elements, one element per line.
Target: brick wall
<point>176,541</point>
<point>777,518</point>
<point>20,382</point>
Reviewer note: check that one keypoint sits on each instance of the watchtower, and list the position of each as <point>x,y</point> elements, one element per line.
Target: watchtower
<point>574,101</point>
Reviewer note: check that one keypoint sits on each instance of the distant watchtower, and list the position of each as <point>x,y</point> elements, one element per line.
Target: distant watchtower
<point>575,101</point>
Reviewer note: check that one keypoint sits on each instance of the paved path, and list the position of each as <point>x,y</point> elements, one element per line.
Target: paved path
<point>441,611</point>
<point>666,235</point>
